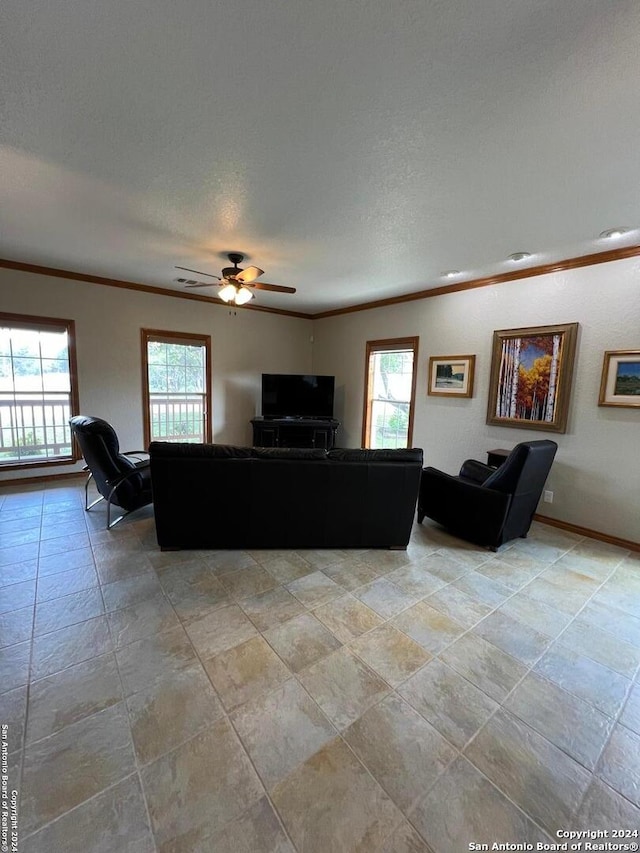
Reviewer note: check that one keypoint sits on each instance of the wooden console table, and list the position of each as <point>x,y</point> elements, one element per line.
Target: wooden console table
<point>495,458</point>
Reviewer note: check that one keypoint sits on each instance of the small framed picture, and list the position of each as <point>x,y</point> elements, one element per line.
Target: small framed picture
<point>451,375</point>
<point>620,385</point>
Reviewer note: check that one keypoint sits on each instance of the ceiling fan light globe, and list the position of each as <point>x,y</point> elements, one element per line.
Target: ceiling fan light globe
<point>227,293</point>
<point>243,295</point>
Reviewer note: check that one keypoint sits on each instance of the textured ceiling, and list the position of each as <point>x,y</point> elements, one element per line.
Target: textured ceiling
<point>354,150</point>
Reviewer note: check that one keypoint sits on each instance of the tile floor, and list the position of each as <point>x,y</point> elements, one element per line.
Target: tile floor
<point>311,701</point>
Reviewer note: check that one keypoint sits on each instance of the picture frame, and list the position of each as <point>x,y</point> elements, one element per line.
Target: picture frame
<point>451,375</point>
<point>531,377</point>
<point>620,384</point>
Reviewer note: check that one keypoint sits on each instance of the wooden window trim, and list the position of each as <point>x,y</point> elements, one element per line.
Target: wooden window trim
<point>35,323</point>
<point>386,345</point>
<point>185,338</point>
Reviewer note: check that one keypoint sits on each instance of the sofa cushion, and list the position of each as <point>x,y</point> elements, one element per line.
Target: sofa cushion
<point>361,455</point>
<point>289,453</point>
<point>199,451</point>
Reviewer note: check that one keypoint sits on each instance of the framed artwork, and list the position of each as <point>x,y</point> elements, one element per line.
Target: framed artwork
<point>531,373</point>
<point>620,385</point>
<point>451,375</point>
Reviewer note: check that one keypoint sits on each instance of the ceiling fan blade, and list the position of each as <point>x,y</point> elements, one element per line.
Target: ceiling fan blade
<point>277,288</point>
<point>203,284</point>
<point>211,275</point>
<point>248,275</point>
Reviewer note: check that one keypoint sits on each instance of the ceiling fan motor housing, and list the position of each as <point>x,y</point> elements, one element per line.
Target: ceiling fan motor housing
<point>235,258</point>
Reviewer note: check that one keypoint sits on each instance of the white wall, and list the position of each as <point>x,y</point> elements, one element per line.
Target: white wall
<point>596,475</point>
<point>108,322</point>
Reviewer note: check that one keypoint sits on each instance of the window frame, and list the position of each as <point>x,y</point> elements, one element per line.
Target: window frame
<point>388,345</point>
<point>168,337</point>
<point>35,323</point>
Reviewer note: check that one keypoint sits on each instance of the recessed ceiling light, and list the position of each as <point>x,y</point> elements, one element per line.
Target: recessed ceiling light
<point>519,256</point>
<point>450,273</point>
<point>612,233</point>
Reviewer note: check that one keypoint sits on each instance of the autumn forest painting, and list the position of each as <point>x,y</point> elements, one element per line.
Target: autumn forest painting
<point>531,373</point>
<point>528,380</point>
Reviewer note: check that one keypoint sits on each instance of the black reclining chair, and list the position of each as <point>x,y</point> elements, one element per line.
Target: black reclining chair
<point>489,506</point>
<point>120,481</point>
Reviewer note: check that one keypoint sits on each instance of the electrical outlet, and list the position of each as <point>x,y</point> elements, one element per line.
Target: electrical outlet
<point>548,496</point>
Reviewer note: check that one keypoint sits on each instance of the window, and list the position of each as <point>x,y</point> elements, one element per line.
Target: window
<point>176,386</point>
<point>38,390</point>
<point>390,390</point>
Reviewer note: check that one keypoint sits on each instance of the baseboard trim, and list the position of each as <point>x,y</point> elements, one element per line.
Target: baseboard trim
<point>46,478</point>
<point>587,531</point>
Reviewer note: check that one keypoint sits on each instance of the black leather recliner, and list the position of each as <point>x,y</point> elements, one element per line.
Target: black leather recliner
<point>486,505</point>
<point>121,481</point>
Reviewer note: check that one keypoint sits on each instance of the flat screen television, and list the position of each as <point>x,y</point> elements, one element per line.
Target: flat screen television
<point>287,395</point>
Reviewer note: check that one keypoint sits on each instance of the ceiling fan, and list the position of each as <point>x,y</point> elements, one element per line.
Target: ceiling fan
<point>235,283</point>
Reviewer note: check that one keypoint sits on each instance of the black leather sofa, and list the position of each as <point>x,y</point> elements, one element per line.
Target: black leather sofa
<point>218,496</point>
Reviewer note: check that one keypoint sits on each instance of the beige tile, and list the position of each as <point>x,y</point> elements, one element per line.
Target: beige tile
<point>130,591</point>
<point>302,641</point>
<point>331,803</point>
<point>315,589</point>
<point>64,770</point>
<point>603,647</point>
<point>347,618</point>
<point>320,558</point>
<point>390,653</point>
<point>576,727</point>
<point>221,630</point>
<point>343,686</point>
<point>619,765</point>
<point>585,565</point>
<point>122,566</point>
<point>71,695</point>
<point>484,665</point>
<point>513,637</point>
<point>464,805</point>
<point>511,571</point>
<point>64,544</point>
<point>286,566</point>
<point>256,831</point>
<point>18,572</point>
<point>115,820</point>
<point>281,730</point>
<point>172,710</point>
<point>14,666</point>
<point>484,589</point>
<point>449,702</point>
<point>146,661</point>
<point>15,626</point>
<point>222,562</point>
<point>430,628</point>
<point>622,625</point>
<point>459,606</point>
<point>13,713</point>
<point>55,651</point>
<point>543,619</point>
<point>194,591</point>
<point>402,751</point>
<point>404,840</point>
<point>584,677</point>
<point>384,560</point>
<point>245,672</point>
<point>243,583</point>
<point>603,807</point>
<point>385,598</point>
<point>416,580</point>
<point>444,566</point>
<point>141,620</point>
<point>565,599</point>
<point>195,790</point>
<point>539,777</point>
<point>630,717</point>
<point>64,583</point>
<point>16,596</point>
<point>351,573</point>
<point>64,561</point>
<point>271,608</point>
<point>70,609</point>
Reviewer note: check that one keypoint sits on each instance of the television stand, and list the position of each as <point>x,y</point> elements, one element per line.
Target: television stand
<point>295,432</point>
